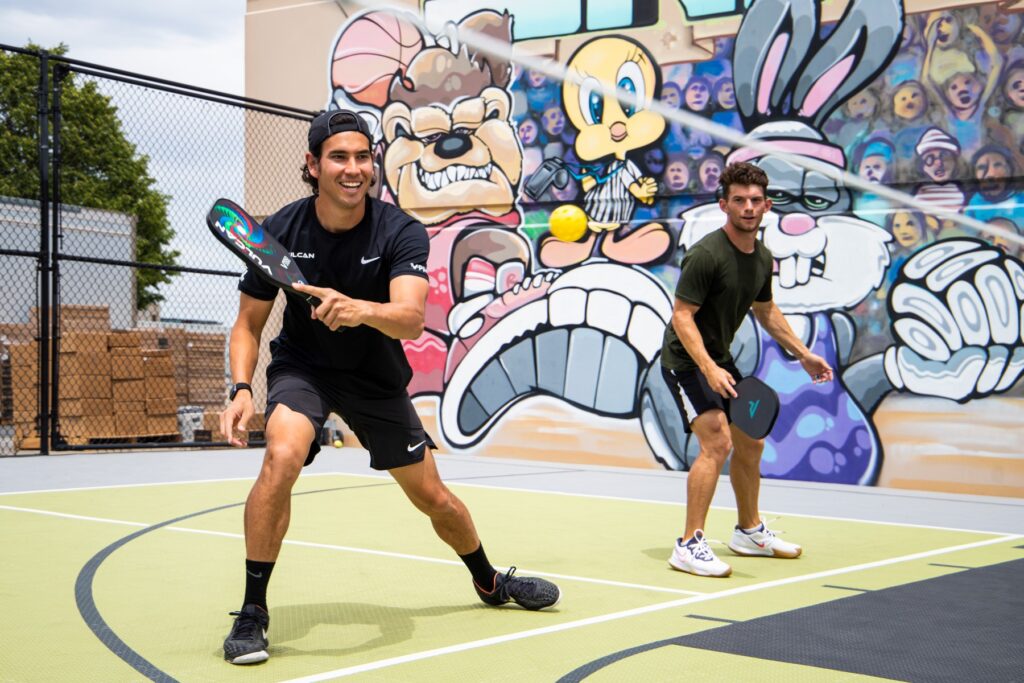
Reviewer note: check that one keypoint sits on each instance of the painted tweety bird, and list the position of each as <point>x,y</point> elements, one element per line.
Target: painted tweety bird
<point>609,129</point>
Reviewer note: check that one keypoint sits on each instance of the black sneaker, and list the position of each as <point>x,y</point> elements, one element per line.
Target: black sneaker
<point>528,592</point>
<point>247,642</point>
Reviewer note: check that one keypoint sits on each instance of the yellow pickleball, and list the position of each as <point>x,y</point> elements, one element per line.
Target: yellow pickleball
<point>568,222</point>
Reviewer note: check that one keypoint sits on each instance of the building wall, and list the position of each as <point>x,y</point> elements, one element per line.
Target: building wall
<point>87,232</point>
<point>544,348</point>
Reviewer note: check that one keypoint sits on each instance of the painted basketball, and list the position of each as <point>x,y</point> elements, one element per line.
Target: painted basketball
<point>568,222</point>
<point>369,52</point>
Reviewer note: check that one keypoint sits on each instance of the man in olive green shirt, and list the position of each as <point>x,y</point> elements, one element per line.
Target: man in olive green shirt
<point>723,276</point>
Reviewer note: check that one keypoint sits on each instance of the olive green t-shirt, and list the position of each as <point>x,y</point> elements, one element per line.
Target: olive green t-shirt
<point>724,282</point>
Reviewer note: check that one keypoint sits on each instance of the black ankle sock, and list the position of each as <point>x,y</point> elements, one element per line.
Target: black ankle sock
<point>481,569</point>
<point>257,576</point>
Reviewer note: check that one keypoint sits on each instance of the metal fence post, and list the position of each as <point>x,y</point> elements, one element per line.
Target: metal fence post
<point>42,108</point>
<point>60,72</point>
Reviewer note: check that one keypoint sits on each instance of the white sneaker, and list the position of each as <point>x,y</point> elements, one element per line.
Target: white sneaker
<point>696,557</point>
<point>762,542</point>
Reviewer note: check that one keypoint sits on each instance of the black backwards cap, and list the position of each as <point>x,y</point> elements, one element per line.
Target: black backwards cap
<point>329,123</point>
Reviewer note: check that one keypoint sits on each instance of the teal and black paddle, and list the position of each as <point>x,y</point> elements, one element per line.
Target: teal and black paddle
<point>247,240</point>
<point>755,408</point>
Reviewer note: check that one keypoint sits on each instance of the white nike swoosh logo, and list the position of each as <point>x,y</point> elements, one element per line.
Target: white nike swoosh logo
<point>365,260</point>
<point>255,576</point>
<point>414,446</point>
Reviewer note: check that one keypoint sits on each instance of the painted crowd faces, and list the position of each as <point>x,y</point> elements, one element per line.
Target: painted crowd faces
<point>677,175</point>
<point>963,91</point>
<point>709,171</point>
<point>698,94</point>
<point>1014,86</point>
<point>906,229</point>
<point>909,102</point>
<point>873,168</point>
<point>939,165</point>
<point>862,106</point>
<point>993,169</point>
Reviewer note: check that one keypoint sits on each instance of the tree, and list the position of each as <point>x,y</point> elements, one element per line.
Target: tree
<point>100,168</point>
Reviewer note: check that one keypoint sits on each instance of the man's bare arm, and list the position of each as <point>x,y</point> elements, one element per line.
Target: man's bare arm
<point>400,318</point>
<point>685,326</point>
<point>243,352</point>
<point>774,322</point>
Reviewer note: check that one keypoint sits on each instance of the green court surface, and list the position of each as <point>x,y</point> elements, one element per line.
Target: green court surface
<point>364,588</point>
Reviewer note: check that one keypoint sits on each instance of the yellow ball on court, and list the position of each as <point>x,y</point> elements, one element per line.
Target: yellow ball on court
<point>568,222</point>
<point>337,443</point>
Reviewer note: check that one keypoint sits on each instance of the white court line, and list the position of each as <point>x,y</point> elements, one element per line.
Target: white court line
<point>162,483</point>
<point>593,496</point>
<point>361,551</point>
<point>497,640</point>
<point>717,507</point>
<point>67,515</point>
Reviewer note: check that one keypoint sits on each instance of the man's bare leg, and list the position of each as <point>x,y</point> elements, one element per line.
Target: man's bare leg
<point>715,439</point>
<point>268,507</point>
<point>448,515</point>
<point>745,476</point>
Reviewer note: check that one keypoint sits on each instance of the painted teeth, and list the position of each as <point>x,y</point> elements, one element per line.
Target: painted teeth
<point>586,342</point>
<point>452,174</point>
<point>797,270</point>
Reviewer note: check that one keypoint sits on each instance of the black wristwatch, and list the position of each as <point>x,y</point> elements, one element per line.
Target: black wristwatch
<point>235,388</point>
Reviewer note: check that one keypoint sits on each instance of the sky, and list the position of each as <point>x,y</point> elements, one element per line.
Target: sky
<point>196,42</point>
<point>177,40</point>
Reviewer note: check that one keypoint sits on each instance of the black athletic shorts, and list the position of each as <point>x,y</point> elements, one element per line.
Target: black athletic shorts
<point>693,395</point>
<point>388,427</point>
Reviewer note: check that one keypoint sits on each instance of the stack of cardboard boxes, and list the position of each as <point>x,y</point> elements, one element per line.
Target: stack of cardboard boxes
<point>24,373</point>
<point>114,385</point>
<point>86,403</point>
<point>207,361</point>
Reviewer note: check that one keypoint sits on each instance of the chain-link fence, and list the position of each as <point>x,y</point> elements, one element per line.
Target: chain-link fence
<point>117,300</point>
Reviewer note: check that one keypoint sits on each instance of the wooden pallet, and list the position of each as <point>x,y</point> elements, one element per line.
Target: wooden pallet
<point>256,437</point>
<point>31,443</point>
<point>128,438</point>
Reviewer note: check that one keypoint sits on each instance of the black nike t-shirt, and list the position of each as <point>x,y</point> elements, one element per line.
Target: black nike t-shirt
<point>359,263</point>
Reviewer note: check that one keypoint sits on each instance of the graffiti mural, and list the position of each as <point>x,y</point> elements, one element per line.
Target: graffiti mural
<point>903,303</point>
<point>608,132</point>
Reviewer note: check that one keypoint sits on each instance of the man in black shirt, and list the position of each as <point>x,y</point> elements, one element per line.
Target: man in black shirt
<point>367,260</point>
<point>722,277</point>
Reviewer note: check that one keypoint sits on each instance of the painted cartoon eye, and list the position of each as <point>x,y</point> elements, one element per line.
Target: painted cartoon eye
<point>631,79</point>
<point>591,101</point>
<point>780,197</point>
<point>629,106</point>
<point>402,130</point>
<point>816,203</point>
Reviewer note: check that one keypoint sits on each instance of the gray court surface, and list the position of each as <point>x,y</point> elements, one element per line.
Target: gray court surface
<point>976,513</point>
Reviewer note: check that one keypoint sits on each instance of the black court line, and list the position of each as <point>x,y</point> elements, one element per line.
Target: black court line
<point>951,566</point>
<point>846,588</point>
<point>707,618</point>
<point>86,602</point>
<point>91,614</point>
<point>577,675</point>
<point>84,582</point>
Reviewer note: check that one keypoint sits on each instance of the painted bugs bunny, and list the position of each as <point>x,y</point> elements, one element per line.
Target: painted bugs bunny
<point>788,80</point>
